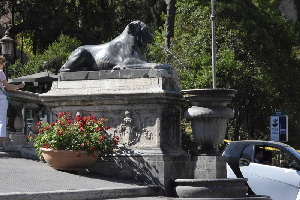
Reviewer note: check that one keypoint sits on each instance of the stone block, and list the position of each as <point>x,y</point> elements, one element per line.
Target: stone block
<point>117,74</point>
<point>155,169</point>
<point>211,188</point>
<point>209,167</point>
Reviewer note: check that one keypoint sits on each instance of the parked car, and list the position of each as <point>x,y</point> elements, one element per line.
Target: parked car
<point>272,168</point>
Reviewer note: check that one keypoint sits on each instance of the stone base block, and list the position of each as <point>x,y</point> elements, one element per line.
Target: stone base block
<point>153,169</point>
<point>211,188</point>
<point>17,138</point>
<point>209,167</point>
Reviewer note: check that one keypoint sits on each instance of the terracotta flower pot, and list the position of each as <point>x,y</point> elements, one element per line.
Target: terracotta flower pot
<point>68,160</point>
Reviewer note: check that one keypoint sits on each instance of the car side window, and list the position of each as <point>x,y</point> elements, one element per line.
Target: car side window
<point>247,153</point>
<point>280,158</point>
<point>275,157</point>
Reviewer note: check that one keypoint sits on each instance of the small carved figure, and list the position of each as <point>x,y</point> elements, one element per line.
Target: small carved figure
<point>127,51</point>
<point>128,130</point>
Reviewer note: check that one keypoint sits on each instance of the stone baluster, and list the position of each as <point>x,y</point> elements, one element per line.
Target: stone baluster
<point>36,119</point>
<point>16,139</point>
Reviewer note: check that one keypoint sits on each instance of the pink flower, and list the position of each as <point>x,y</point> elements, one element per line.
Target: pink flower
<point>115,140</point>
<point>61,114</point>
<point>77,118</point>
<point>83,119</point>
<point>98,129</point>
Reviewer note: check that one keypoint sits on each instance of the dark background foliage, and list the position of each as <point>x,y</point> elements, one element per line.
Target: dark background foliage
<point>258,48</point>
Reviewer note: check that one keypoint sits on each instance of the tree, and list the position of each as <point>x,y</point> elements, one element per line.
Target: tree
<point>257,48</point>
<point>52,59</point>
<point>91,22</point>
<point>170,18</point>
<point>256,55</point>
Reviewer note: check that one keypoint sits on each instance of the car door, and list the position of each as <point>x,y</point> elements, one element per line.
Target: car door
<point>273,178</point>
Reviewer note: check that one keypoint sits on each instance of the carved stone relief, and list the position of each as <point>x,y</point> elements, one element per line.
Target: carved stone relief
<point>131,130</point>
<point>171,127</point>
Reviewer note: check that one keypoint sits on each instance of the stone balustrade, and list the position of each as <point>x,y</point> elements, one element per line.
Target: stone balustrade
<point>16,139</point>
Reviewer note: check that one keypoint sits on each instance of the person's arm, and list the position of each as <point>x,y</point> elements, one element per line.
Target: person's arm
<point>12,87</point>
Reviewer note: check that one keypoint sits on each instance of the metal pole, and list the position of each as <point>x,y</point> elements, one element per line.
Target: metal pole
<point>213,44</point>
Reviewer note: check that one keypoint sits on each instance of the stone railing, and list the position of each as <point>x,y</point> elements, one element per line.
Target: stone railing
<point>16,139</point>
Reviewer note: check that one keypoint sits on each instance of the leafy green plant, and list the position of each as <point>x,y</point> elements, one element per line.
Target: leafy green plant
<point>52,59</point>
<point>81,134</point>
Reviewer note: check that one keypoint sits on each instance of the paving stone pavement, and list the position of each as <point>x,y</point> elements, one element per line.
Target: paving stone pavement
<point>29,179</point>
<point>26,179</point>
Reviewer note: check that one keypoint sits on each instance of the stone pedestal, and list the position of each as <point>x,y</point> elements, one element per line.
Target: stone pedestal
<point>209,167</point>
<point>209,116</point>
<point>153,169</point>
<point>143,109</point>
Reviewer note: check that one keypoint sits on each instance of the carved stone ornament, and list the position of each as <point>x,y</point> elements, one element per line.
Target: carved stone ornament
<point>129,132</point>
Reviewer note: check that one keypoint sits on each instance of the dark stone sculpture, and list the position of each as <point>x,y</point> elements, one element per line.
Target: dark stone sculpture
<point>127,51</point>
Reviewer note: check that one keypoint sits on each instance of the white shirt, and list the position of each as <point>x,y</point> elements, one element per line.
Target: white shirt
<point>2,78</point>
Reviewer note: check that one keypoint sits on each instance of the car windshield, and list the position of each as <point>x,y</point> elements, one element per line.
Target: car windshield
<point>294,152</point>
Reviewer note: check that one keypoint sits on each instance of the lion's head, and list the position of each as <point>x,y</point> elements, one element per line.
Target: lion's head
<point>142,35</point>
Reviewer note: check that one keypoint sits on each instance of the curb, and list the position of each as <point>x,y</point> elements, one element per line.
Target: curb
<point>140,191</point>
<point>10,154</point>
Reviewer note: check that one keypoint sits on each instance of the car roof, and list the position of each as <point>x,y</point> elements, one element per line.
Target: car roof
<point>260,142</point>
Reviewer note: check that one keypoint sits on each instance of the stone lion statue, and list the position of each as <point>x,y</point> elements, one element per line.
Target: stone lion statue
<point>127,51</point>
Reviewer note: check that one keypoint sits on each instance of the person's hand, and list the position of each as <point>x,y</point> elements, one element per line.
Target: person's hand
<point>22,85</point>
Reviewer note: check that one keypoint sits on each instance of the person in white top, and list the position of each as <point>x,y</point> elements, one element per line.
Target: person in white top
<point>3,100</point>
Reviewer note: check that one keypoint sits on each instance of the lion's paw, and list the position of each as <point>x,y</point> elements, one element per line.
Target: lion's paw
<point>118,67</point>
